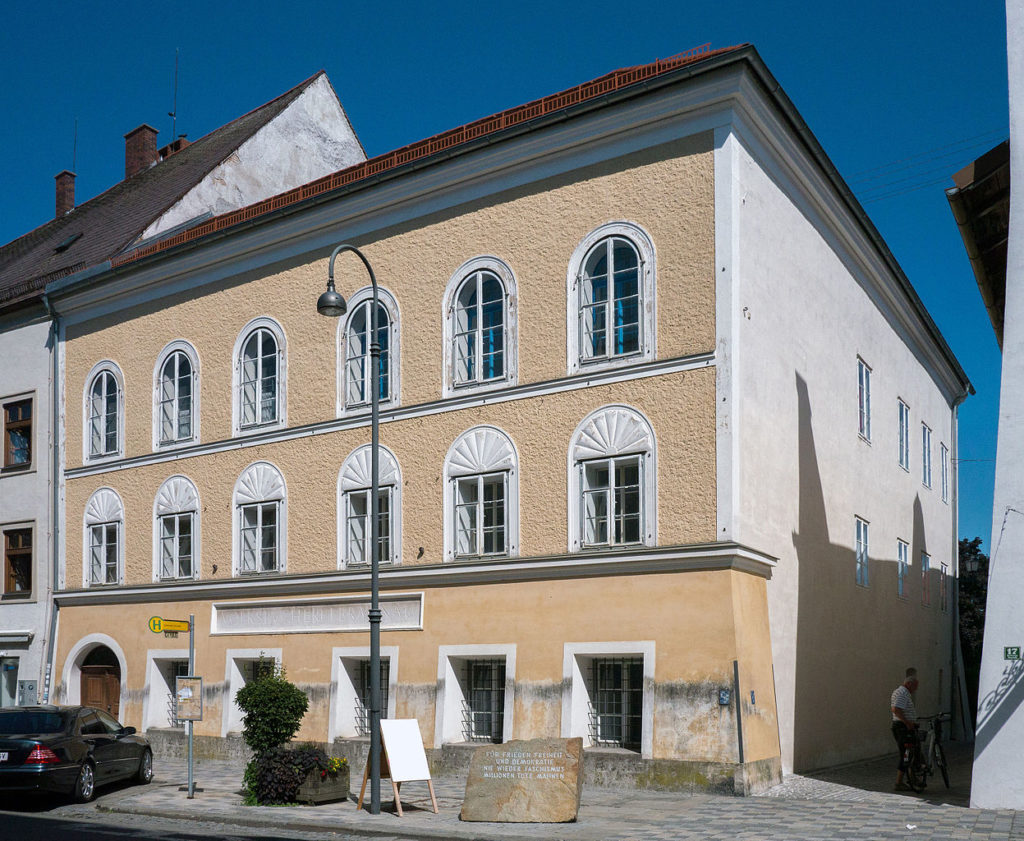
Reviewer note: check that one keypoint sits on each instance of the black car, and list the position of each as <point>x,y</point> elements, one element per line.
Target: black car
<point>70,750</point>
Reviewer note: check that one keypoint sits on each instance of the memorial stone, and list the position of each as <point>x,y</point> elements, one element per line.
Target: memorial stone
<point>528,781</point>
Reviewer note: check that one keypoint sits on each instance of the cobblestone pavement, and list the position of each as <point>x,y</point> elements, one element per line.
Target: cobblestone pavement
<point>846,803</point>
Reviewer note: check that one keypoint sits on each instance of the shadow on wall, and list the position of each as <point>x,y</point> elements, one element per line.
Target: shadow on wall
<point>847,649</point>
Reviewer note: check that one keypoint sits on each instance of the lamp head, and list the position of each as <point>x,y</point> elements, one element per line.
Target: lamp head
<point>331,302</point>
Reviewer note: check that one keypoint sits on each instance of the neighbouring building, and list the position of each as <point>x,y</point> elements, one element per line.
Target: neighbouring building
<point>988,212</point>
<point>668,443</point>
<point>299,136</point>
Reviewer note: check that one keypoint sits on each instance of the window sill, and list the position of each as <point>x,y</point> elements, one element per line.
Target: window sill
<point>16,597</point>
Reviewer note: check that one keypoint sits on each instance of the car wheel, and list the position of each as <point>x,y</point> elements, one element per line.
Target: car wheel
<point>145,772</point>
<point>85,785</point>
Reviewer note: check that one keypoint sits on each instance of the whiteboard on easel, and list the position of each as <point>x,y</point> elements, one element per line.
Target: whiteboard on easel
<point>404,747</point>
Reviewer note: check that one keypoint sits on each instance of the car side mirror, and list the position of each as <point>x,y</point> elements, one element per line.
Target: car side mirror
<point>128,731</point>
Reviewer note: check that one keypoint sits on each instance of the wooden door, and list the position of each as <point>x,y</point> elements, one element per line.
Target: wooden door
<point>101,688</point>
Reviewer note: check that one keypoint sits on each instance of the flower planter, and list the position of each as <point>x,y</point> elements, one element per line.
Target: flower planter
<point>316,789</point>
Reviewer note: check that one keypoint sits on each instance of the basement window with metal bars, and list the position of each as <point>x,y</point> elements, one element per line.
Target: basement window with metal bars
<point>175,669</point>
<point>616,702</point>
<point>363,694</point>
<point>483,707</point>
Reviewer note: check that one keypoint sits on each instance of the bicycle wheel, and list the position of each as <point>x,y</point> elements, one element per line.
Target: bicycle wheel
<point>940,760</point>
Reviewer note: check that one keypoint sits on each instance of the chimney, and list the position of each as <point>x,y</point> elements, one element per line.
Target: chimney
<point>139,150</point>
<point>65,192</point>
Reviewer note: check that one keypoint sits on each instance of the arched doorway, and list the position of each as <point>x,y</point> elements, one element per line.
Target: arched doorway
<point>101,680</point>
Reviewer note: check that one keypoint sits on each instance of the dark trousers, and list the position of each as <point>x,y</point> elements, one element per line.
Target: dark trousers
<point>903,734</point>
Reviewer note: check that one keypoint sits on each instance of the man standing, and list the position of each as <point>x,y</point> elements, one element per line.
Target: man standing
<point>904,722</point>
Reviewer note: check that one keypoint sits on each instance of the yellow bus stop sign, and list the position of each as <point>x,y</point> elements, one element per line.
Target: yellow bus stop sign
<point>158,624</point>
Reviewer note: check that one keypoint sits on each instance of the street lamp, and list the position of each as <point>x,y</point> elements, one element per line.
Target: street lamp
<point>332,304</point>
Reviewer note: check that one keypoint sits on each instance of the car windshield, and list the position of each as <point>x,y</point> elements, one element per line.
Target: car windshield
<point>21,722</point>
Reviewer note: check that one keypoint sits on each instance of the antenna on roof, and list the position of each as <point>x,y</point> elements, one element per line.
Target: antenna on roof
<point>74,147</point>
<point>173,113</point>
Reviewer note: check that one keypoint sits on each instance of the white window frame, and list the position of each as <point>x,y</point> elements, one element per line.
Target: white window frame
<point>364,297</point>
<point>902,567</point>
<point>103,508</point>
<point>341,723</point>
<point>862,552</point>
<point>611,432</point>
<point>186,348</point>
<point>903,436</point>
<point>231,713</point>
<point>448,727</point>
<point>510,377</point>
<point>176,497</point>
<point>944,588</point>
<point>111,367</point>
<point>154,707</point>
<point>576,689</point>
<point>263,322</point>
<point>261,482</point>
<point>863,399</point>
<point>478,451</point>
<point>926,568</point>
<point>355,477</point>
<point>926,455</point>
<point>944,470</point>
<point>644,246</point>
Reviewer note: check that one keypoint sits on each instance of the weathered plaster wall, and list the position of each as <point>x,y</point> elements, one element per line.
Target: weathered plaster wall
<point>839,648</point>
<point>694,651</point>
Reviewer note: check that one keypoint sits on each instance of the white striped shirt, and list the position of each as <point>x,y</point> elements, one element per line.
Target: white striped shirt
<point>903,700</point>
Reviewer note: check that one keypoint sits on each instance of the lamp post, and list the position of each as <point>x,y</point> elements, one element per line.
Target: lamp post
<point>331,303</point>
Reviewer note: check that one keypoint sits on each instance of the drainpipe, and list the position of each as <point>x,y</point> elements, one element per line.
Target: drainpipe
<point>55,510</point>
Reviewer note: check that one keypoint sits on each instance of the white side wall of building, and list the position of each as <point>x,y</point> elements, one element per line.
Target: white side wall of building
<point>802,316</point>
<point>998,781</point>
<point>25,502</point>
<point>311,138</point>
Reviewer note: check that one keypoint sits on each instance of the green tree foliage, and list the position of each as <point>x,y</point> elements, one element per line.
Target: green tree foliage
<point>273,707</point>
<point>973,589</point>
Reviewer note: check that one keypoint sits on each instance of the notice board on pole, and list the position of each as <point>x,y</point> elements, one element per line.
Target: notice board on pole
<point>188,698</point>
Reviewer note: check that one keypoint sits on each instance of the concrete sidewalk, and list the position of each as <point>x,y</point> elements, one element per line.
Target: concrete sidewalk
<point>852,802</point>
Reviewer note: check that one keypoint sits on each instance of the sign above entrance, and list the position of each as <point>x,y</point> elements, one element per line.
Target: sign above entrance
<point>159,625</point>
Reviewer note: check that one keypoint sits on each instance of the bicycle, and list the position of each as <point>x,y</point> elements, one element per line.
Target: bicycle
<point>930,755</point>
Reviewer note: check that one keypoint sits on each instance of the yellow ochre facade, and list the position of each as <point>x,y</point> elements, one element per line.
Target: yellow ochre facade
<point>666,191</point>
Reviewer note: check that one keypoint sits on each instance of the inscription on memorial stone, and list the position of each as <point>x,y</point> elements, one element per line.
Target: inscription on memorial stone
<point>530,781</point>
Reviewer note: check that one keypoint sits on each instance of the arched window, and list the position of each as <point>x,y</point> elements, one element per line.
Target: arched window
<point>104,412</point>
<point>481,503</point>
<point>611,294</point>
<point>354,486</point>
<point>176,530</point>
<point>612,480</point>
<point>354,351</point>
<point>260,511</point>
<point>103,540</point>
<point>259,376</point>
<point>480,326</point>
<point>176,396</point>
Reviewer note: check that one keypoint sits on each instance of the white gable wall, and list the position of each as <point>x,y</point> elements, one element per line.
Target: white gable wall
<point>799,320</point>
<point>311,138</point>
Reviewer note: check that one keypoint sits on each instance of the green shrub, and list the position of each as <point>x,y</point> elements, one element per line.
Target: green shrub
<point>273,707</point>
<point>278,773</point>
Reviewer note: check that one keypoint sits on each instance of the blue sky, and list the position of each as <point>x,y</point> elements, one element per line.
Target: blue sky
<point>900,95</point>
